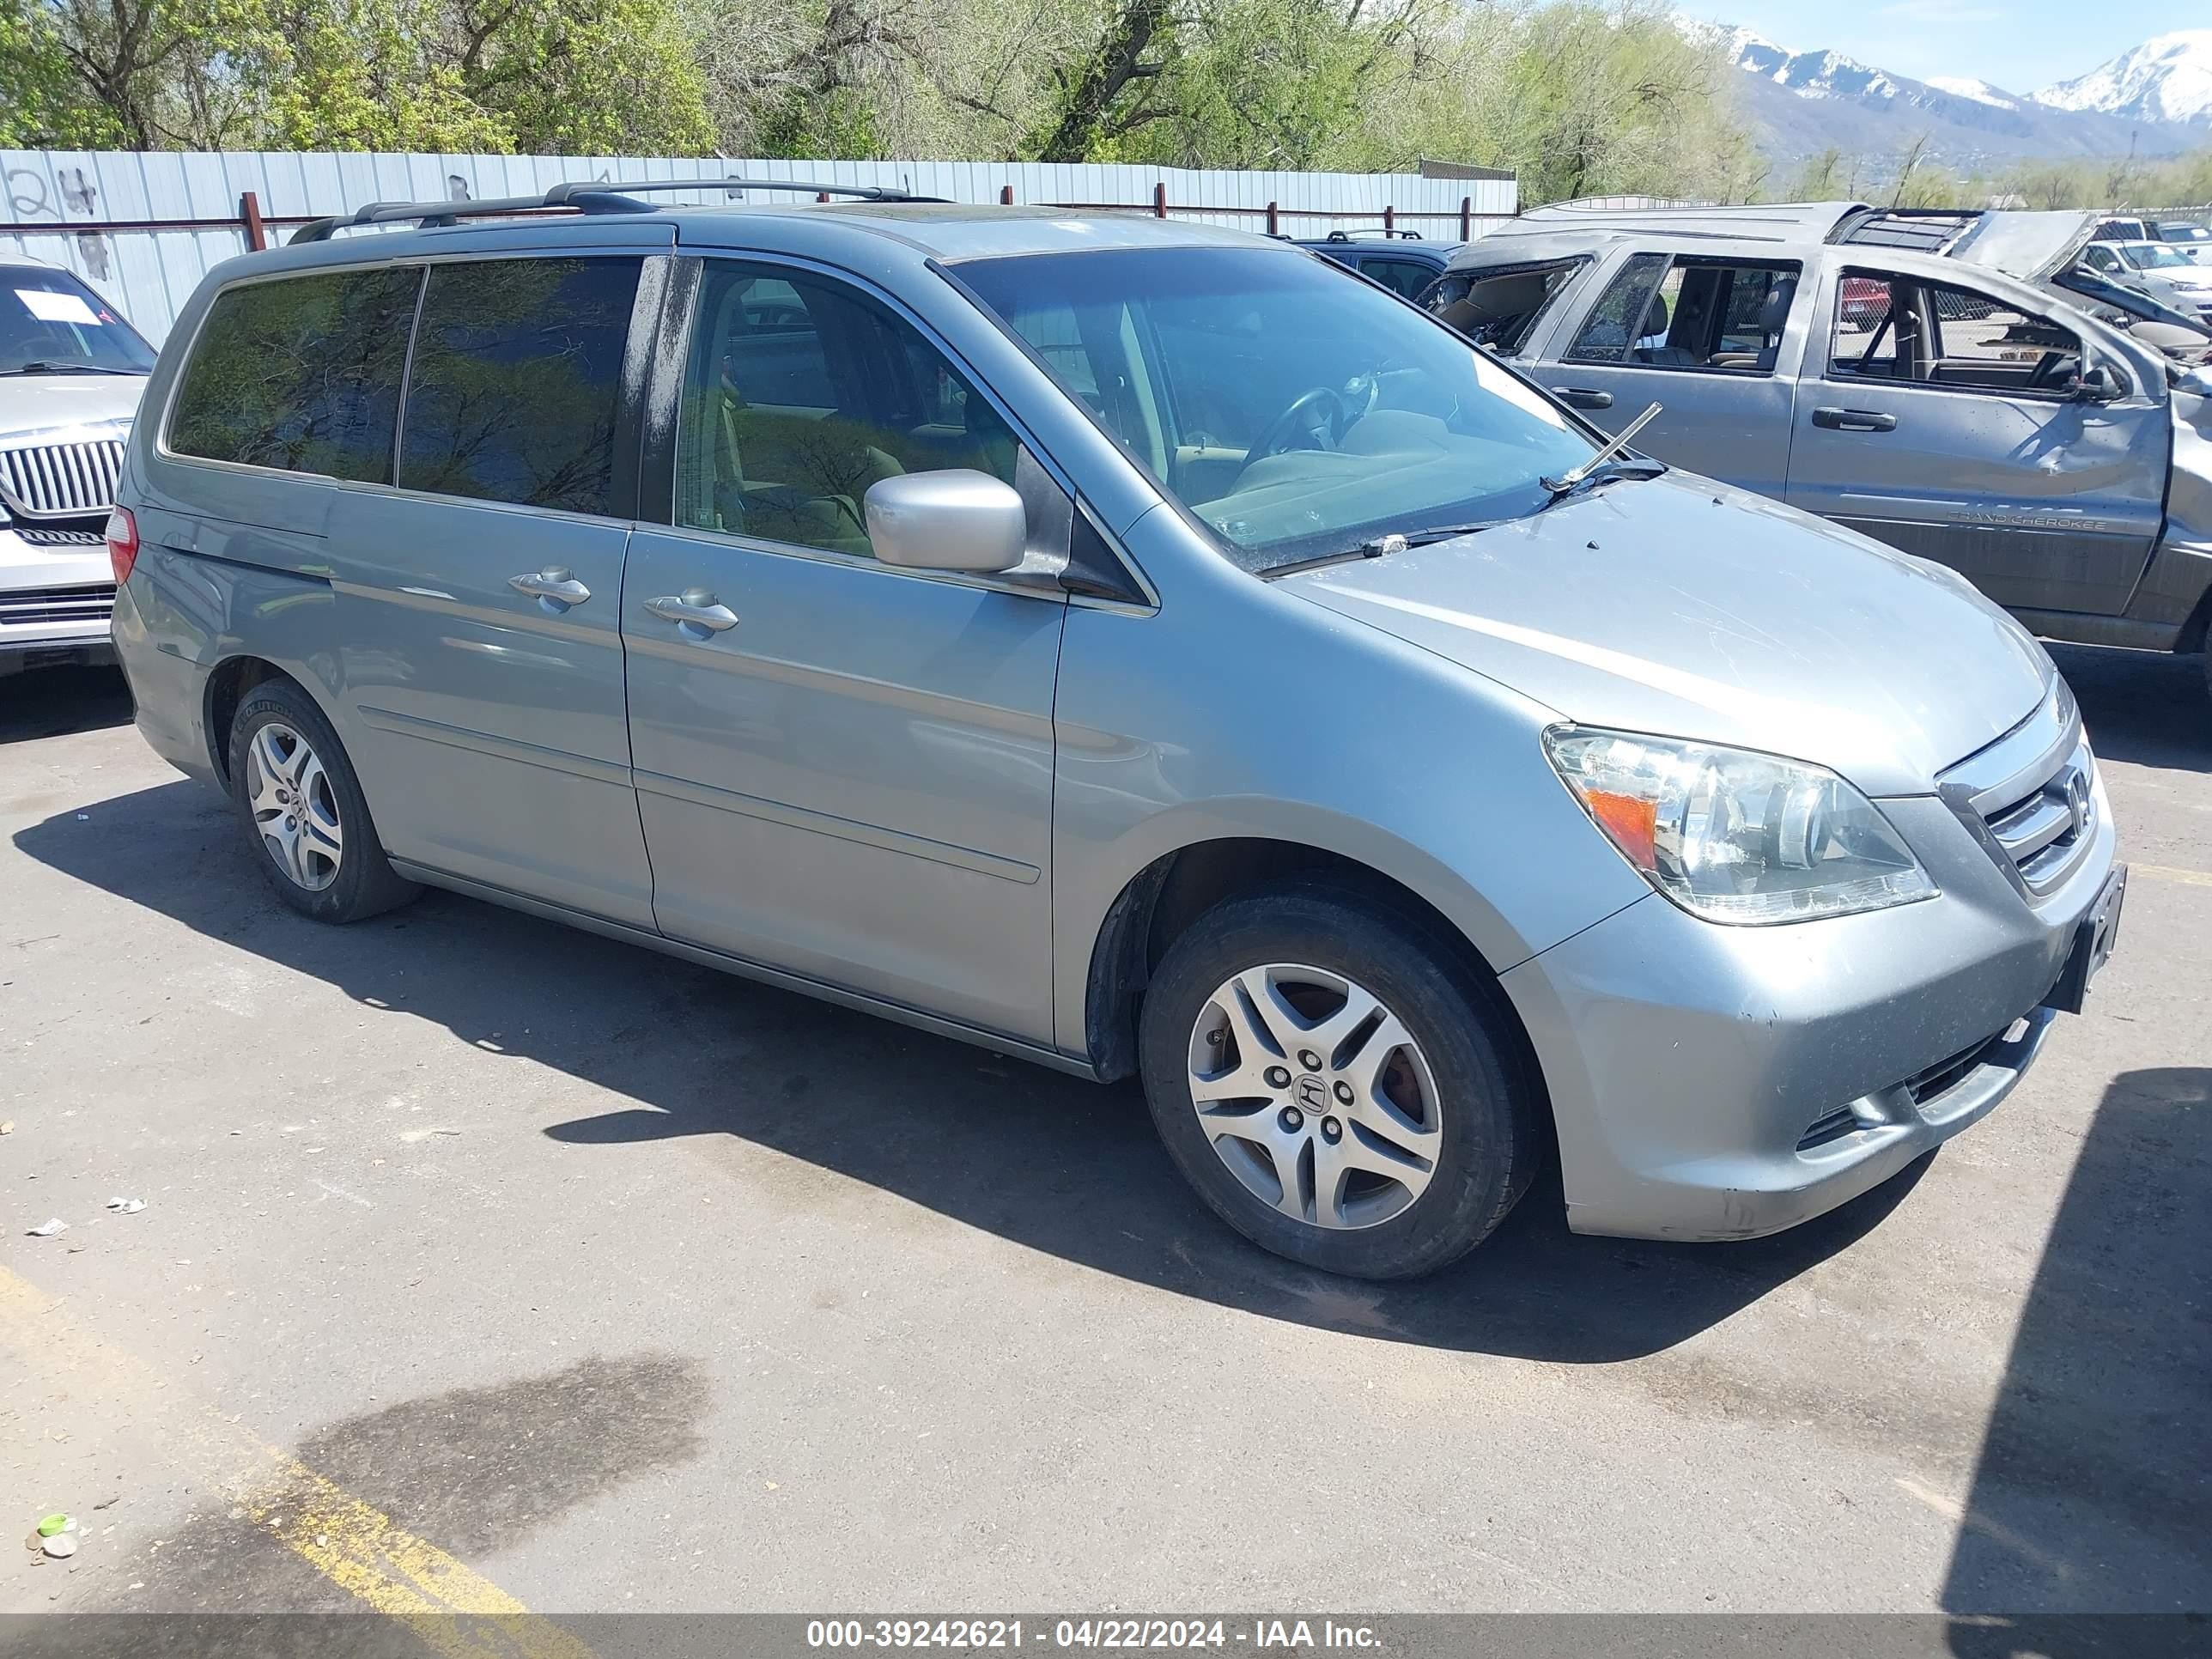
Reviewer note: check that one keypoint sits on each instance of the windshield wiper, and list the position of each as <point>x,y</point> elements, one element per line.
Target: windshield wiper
<point>43,368</point>
<point>1398,540</point>
<point>1620,466</point>
<point>1603,464</point>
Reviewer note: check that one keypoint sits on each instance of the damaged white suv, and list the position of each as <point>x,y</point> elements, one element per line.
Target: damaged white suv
<point>70,373</point>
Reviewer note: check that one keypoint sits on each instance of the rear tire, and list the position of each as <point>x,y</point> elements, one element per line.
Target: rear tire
<point>296,791</point>
<point>1410,1137</point>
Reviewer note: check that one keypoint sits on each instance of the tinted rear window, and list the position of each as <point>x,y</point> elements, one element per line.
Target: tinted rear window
<point>302,374</point>
<point>514,392</point>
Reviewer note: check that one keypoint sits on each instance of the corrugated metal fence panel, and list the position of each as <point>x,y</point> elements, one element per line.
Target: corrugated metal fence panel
<point>149,272</point>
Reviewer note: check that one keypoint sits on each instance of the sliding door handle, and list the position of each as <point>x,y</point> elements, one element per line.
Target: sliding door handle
<point>1855,420</point>
<point>1582,397</point>
<point>696,609</point>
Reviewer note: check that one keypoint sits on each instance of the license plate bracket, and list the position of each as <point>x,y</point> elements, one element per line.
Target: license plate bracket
<point>2094,936</point>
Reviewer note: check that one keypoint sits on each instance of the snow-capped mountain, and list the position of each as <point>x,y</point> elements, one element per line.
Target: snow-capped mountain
<point>1980,91</point>
<point>2166,79</point>
<point>2155,100</point>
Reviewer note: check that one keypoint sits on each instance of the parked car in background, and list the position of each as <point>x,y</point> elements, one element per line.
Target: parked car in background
<point>2122,229</point>
<point>2193,239</point>
<point>70,373</point>
<point>1862,365</point>
<point>2161,268</point>
<point>1130,646</point>
<point>1399,260</point>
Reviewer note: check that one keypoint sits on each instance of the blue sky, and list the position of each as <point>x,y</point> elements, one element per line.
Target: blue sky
<point>2020,44</point>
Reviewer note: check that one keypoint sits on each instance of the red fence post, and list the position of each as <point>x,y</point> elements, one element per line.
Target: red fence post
<point>1006,196</point>
<point>822,196</point>
<point>1160,199</point>
<point>1467,218</point>
<point>249,215</point>
<point>1389,220</point>
<point>1275,220</point>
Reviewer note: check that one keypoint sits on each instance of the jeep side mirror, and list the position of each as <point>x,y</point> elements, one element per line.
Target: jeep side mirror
<point>2097,385</point>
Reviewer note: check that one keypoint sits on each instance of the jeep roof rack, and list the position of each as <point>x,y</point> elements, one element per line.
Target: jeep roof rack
<point>582,196</point>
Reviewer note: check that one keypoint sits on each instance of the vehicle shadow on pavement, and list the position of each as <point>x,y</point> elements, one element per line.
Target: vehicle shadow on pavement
<point>1049,1162</point>
<point>52,702</point>
<point>2142,707</point>
<point>2093,1487</point>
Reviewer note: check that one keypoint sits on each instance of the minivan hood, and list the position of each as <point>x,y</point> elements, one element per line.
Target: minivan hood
<point>36,403</point>
<point>1681,606</point>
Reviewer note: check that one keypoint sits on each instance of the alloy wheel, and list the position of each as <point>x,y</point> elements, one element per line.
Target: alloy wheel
<point>1315,1096</point>
<point>295,811</point>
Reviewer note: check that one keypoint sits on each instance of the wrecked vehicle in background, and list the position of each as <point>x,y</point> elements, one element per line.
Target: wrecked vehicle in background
<point>1876,368</point>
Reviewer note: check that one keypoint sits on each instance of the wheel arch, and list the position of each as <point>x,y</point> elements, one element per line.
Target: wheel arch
<point>229,683</point>
<point>1176,887</point>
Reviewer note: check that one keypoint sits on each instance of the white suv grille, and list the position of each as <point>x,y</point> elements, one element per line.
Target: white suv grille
<point>61,480</point>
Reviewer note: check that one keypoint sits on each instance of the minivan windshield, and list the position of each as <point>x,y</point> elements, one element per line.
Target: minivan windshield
<point>52,324</point>
<point>1297,414</point>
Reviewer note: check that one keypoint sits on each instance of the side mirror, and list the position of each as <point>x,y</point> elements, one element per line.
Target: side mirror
<point>954,519</point>
<point>2098,385</point>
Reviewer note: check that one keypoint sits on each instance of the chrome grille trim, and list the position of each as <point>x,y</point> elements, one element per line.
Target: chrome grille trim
<point>30,607</point>
<point>2018,795</point>
<point>70,480</point>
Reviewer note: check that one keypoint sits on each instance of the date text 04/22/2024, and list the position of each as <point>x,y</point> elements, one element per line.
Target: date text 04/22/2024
<point>1258,1635</point>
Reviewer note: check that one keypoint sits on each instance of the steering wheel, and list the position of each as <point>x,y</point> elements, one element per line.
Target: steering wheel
<point>1315,419</point>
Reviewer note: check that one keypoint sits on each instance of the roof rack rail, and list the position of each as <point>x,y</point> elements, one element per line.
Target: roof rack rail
<point>582,196</point>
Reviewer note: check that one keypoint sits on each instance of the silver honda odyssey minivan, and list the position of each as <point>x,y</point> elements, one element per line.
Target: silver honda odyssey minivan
<point>1132,647</point>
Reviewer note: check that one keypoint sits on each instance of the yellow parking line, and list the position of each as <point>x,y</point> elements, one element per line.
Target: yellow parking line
<point>455,1610</point>
<point>2167,872</point>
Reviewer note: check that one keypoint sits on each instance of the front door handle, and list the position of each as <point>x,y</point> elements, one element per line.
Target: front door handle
<point>1582,397</point>
<point>696,609</point>
<point>555,586</point>
<point>1855,420</point>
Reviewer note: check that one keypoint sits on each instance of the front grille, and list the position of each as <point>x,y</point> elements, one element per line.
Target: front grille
<point>1945,1075</point>
<point>26,607</point>
<point>56,481</point>
<point>2032,795</point>
<point>2049,827</point>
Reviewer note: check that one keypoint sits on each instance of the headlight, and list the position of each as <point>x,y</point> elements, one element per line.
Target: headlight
<point>1735,837</point>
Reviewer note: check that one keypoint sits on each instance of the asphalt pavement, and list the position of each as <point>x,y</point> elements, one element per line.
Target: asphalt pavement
<point>500,1266</point>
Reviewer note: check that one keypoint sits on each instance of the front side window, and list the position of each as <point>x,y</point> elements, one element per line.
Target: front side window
<point>1499,308</point>
<point>514,389</point>
<point>52,324</point>
<point>1945,335</point>
<point>1293,414</point>
<point>800,394</point>
<point>301,374</point>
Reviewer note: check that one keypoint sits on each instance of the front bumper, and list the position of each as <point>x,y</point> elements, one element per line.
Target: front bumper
<point>1713,1083</point>
<point>56,593</point>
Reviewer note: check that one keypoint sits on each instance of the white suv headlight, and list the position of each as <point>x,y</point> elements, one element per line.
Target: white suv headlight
<point>1735,837</point>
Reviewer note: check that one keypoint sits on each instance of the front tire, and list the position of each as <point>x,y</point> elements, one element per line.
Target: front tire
<point>1338,1084</point>
<point>301,803</point>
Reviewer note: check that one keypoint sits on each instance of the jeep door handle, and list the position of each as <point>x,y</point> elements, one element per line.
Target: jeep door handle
<point>555,585</point>
<point>1855,420</point>
<point>696,608</point>
<point>1582,397</point>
